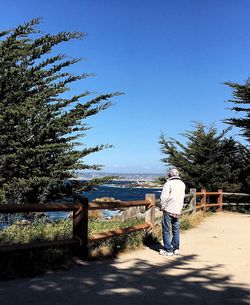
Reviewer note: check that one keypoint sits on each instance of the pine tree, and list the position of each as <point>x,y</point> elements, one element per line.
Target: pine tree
<point>235,160</point>
<point>241,94</point>
<point>241,97</point>
<point>207,159</point>
<point>41,128</point>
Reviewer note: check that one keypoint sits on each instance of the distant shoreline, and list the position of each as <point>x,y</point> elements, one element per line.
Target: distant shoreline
<point>147,177</point>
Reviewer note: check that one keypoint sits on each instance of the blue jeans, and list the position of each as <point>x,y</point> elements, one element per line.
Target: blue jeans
<point>167,221</point>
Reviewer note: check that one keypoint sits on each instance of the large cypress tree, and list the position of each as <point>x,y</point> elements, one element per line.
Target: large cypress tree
<point>241,97</point>
<point>40,126</point>
<point>207,159</point>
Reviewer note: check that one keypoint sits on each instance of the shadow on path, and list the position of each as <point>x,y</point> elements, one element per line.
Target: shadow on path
<point>135,281</point>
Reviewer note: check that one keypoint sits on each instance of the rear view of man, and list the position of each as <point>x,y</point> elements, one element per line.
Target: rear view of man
<point>172,199</point>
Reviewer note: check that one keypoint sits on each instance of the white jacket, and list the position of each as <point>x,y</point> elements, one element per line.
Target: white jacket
<point>172,195</point>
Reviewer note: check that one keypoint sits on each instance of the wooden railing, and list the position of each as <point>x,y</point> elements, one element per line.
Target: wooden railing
<point>76,207</point>
<point>81,206</point>
<point>80,209</point>
<point>205,195</point>
<point>205,200</point>
<point>202,200</point>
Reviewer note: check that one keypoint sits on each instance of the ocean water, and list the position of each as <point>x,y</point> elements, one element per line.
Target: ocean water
<point>116,189</point>
<point>119,190</point>
<point>122,193</point>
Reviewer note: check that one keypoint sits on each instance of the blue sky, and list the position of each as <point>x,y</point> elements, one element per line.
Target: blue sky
<point>170,58</point>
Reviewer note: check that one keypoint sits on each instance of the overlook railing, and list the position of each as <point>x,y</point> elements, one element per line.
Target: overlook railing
<point>80,209</point>
<point>202,200</point>
<point>207,199</point>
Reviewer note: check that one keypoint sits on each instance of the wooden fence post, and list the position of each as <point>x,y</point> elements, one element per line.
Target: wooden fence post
<point>80,225</point>
<point>150,213</point>
<point>220,199</point>
<point>193,199</point>
<point>204,199</point>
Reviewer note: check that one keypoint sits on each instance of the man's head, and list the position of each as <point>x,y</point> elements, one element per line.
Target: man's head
<point>173,172</point>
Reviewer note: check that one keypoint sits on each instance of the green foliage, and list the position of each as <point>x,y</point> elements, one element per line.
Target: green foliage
<point>207,159</point>
<point>36,231</point>
<point>40,124</point>
<point>241,97</point>
<point>98,226</point>
<point>62,229</point>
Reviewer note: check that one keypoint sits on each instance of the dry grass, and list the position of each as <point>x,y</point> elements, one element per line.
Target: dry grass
<point>102,251</point>
<point>189,221</point>
<point>117,244</point>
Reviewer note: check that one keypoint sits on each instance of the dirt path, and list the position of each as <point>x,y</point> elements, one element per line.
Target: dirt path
<point>213,268</point>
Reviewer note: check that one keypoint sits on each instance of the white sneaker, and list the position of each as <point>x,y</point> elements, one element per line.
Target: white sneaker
<point>165,253</point>
<point>176,252</point>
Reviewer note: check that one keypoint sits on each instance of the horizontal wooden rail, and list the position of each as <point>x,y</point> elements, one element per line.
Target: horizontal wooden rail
<point>55,207</point>
<point>26,208</point>
<point>236,194</point>
<point>207,205</point>
<point>208,193</point>
<point>117,232</point>
<point>236,203</point>
<point>199,206</point>
<point>203,204</point>
<point>94,205</point>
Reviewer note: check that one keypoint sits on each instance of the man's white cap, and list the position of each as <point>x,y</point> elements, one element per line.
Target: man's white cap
<point>173,172</point>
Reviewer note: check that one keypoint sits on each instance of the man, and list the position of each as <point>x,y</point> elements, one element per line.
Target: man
<point>172,199</point>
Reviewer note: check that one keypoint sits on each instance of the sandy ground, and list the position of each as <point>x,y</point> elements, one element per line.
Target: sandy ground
<point>213,268</point>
